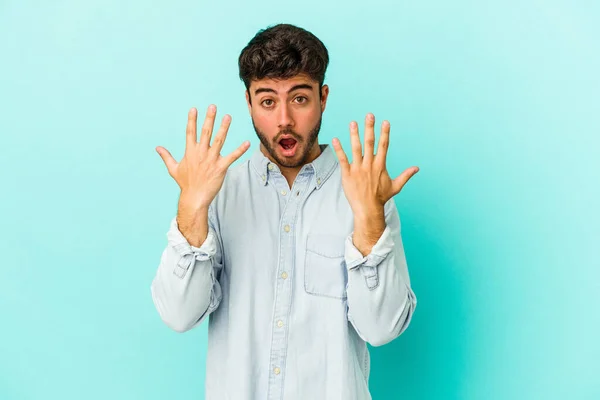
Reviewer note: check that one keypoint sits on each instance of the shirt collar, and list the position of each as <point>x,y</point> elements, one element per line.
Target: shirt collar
<point>323,165</point>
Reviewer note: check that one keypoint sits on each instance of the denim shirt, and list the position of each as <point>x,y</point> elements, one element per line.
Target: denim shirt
<point>291,302</point>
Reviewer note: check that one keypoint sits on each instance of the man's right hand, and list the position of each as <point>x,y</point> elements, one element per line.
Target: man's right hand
<point>201,171</point>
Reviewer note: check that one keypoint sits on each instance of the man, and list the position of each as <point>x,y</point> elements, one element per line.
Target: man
<point>295,254</point>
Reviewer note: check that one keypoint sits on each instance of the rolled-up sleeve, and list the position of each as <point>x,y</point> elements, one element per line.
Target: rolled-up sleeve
<point>380,299</point>
<point>186,289</point>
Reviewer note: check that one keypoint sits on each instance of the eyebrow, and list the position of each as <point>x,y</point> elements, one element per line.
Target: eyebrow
<point>269,90</point>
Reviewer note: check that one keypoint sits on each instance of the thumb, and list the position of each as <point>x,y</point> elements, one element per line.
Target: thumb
<point>167,158</point>
<point>400,181</point>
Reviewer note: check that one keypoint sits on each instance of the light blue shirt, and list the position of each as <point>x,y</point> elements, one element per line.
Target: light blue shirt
<point>291,300</point>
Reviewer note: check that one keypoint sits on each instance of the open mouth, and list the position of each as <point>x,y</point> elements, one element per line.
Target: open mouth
<point>288,146</point>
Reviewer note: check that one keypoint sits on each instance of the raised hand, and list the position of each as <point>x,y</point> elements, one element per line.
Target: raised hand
<point>201,171</point>
<point>366,182</point>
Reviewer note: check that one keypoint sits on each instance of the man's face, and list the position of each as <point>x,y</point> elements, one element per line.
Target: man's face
<point>286,115</point>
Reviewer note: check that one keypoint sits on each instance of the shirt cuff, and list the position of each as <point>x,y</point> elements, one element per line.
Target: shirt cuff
<point>379,252</point>
<point>183,247</point>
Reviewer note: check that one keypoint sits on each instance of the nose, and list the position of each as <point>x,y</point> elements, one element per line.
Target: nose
<point>285,116</point>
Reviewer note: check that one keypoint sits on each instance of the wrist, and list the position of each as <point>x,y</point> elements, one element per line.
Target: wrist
<point>366,214</point>
<point>193,202</point>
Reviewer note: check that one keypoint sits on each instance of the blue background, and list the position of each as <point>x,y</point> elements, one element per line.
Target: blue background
<point>495,101</point>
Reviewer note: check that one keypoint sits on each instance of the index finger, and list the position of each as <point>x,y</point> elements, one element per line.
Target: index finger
<point>384,141</point>
<point>190,131</point>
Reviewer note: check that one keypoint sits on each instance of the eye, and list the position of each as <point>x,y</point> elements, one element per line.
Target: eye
<point>302,98</point>
<point>267,102</point>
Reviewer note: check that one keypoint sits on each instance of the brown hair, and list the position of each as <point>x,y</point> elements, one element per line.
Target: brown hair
<point>283,51</point>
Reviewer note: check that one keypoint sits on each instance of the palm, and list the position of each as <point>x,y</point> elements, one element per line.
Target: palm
<point>202,169</point>
<point>366,181</point>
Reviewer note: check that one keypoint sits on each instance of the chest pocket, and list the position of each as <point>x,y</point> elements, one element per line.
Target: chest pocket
<point>325,272</point>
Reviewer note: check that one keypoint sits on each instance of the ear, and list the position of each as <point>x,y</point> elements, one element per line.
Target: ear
<point>248,102</point>
<point>324,94</point>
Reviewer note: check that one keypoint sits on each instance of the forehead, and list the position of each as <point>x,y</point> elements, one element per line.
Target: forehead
<point>283,85</point>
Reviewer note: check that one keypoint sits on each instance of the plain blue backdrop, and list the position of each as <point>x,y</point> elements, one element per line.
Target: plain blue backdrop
<point>495,101</point>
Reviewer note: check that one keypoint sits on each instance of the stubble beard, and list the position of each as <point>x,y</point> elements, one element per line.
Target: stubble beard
<point>312,138</point>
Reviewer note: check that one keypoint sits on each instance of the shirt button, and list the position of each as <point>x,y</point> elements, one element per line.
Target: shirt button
<point>280,323</point>
<point>271,168</point>
<point>277,370</point>
<point>286,228</point>
<point>319,181</point>
<point>264,178</point>
<point>283,192</point>
<point>284,275</point>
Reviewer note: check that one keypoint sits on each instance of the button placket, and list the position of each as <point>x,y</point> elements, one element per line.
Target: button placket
<point>283,293</point>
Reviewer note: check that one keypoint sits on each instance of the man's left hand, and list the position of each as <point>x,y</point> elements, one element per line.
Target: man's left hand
<point>366,181</point>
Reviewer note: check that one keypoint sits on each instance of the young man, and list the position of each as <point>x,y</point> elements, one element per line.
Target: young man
<point>295,254</point>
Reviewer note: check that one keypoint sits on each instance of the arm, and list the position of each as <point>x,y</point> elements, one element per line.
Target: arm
<point>380,300</point>
<point>186,289</point>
